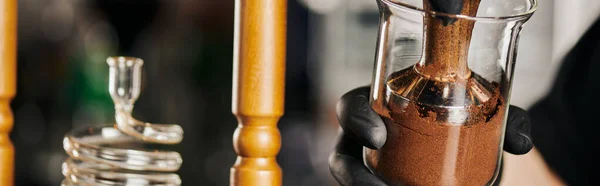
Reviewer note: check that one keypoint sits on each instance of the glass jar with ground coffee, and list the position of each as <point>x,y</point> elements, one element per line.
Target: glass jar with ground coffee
<point>441,83</point>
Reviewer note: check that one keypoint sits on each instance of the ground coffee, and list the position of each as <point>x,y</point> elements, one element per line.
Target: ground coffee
<point>424,148</point>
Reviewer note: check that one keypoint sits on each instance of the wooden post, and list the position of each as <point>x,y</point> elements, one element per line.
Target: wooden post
<point>258,90</point>
<point>8,57</point>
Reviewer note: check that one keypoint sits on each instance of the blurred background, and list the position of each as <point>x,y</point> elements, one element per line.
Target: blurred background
<point>187,47</point>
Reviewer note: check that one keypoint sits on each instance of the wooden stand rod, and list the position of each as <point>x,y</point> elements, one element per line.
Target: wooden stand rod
<point>8,58</point>
<point>258,90</point>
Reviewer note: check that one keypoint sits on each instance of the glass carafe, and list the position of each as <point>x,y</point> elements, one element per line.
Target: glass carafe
<point>441,83</point>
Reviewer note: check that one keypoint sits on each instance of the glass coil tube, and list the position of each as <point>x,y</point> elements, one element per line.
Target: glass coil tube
<point>103,155</point>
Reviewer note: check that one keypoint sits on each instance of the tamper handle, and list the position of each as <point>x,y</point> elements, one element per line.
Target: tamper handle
<point>448,7</point>
<point>447,40</point>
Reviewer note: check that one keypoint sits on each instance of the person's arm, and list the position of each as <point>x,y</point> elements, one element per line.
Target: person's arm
<point>528,169</point>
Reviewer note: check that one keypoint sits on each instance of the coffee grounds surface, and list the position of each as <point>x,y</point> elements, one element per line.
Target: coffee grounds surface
<point>424,149</point>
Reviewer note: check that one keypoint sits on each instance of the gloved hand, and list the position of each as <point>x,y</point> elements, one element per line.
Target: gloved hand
<point>364,127</point>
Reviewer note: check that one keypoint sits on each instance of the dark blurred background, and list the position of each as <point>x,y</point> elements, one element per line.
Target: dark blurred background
<point>187,47</point>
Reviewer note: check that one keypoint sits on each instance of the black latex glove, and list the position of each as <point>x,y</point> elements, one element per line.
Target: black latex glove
<point>364,127</point>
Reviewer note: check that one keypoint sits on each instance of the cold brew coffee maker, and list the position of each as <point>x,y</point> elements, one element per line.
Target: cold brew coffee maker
<point>441,83</point>
<point>118,154</point>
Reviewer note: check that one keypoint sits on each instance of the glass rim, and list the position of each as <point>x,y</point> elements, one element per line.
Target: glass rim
<point>127,60</point>
<point>519,16</point>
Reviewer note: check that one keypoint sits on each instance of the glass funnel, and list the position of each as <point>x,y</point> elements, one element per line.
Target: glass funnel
<point>441,83</point>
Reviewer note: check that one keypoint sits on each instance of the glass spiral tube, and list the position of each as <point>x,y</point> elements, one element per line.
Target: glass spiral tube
<point>101,155</point>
